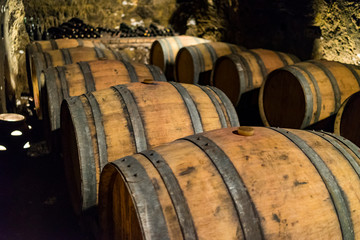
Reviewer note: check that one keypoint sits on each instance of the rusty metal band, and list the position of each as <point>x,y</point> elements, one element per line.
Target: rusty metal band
<point>131,71</point>
<point>88,77</point>
<point>337,195</point>
<point>168,53</point>
<point>356,75</point>
<point>147,200</point>
<point>99,53</point>
<point>242,64</point>
<point>217,106</point>
<point>281,57</point>
<point>99,128</point>
<point>334,84</point>
<point>48,60</point>
<point>135,117</point>
<point>341,149</point>
<point>54,45</point>
<point>260,63</point>
<point>236,48</point>
<point>190,106</point>
<point>355,149</point>
<point>294,58</point>
<point>66,55</point>
<point>156,73</point>
<point>246,211</point>
<point>178,42</point>
<point>54,101</point>
<point>39,47</point>
<point>212,52</point>
<point>230,109</point>
<point>63,81</point>
<point>307,94</point>
<point>198,62</point>
<point>317,90</point>
<point>119,55</point>
<point>87,172</point>
<point>175,192</point>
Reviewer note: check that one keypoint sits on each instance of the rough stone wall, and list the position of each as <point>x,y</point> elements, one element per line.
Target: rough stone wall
<point>339,22</point>
<point>104,13</point>
<point>307,28</point>
<point>48,13</point>
<point>15,41</point>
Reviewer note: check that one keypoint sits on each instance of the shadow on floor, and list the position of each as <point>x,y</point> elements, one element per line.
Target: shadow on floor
<point>34,203</point>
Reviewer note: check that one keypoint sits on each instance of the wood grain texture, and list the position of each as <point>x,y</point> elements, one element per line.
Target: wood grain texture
<point>288,187</point>
<point>304,93</point>
<point>238,73</point>
<point>138,116</point>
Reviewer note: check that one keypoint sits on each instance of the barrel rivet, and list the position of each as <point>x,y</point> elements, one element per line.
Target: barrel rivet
<point>245,131</point>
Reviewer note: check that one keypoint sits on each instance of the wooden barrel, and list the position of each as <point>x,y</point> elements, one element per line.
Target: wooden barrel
<point>265,183</point>
<point>163,52</point>
<point>193,64</point>
<point>42,60</point>
<point>347,119</point>
<point>117,42</point>
<point>54,44</point>
<point>104,125</point>
<point>299,95</point>
<point>82,77</point>
<point>238,73</point>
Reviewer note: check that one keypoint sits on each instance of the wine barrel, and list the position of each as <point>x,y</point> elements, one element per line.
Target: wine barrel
<point>163,52</point>
<point>82,77</point>
<point>54,44</point>
<point>118,42</point>
<point>42,60</point>
<point>102,126</point>
<point>347,119</point>
<point>299,95</point>
<point>193,64</point>
<point>238,73</point>
<point>260,183</point>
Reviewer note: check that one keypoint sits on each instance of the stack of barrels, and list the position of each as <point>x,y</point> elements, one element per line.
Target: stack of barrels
<point>145,146</point>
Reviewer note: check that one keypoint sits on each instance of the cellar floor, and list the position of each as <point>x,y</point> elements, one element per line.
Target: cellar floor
<point>34,203</point>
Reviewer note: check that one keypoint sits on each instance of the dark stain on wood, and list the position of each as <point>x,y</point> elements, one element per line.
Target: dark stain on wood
<point>187,171</point>
<point>155,183</point>
<point>217,210</point>
<point>297,183</point>
<point>276,218</point>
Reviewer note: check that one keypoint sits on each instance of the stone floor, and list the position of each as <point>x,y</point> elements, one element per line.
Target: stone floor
<point>34,203</point>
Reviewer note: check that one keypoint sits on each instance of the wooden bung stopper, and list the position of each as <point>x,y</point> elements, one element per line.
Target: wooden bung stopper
<point>245,131</point>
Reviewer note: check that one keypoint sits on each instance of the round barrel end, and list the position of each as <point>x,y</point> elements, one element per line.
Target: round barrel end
<point>117,213</point>
<point>184,66</point>
<point>347,119</point>
<point>226,77</point>
<point>282,101</point>
<point>157,57</point>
